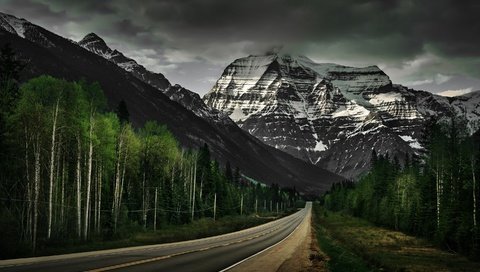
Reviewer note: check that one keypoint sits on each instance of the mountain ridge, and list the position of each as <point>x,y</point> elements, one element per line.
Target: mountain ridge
<point>51,54</point>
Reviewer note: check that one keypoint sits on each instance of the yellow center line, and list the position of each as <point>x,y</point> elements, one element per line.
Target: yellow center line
<point>154,259</point>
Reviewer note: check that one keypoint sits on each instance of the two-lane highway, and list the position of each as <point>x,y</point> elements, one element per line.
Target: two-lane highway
<point>207,254</point>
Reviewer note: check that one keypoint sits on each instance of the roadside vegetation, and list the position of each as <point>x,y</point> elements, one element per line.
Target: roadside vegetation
<point>75,172</point>
<point>434,196</point>
<point>354,244</point>
<point>201,228</point>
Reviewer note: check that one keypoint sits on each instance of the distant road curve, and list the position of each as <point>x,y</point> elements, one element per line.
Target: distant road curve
<point>215,253</point>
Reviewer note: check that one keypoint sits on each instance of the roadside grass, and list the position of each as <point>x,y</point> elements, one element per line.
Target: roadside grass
<point>381,248</point>
<point>340,258</point>
<point>200,228</point>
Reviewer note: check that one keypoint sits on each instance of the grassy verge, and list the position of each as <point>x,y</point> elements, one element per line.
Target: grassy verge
<point>354,244</point>
<point>201,228</point>
<point>340,258</point>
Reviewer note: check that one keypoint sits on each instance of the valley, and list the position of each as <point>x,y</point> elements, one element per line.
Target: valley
<point>239,136</point>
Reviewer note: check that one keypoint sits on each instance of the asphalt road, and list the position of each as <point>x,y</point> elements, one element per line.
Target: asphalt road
<point>207,254</point>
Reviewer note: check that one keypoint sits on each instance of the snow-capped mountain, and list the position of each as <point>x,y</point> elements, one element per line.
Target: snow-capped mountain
<point>329,114</point>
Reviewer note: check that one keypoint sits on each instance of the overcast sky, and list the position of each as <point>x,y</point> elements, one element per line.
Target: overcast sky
<point>430,45</point>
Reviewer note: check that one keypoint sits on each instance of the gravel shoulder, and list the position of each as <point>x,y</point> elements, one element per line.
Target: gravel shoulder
<point>299,252</point>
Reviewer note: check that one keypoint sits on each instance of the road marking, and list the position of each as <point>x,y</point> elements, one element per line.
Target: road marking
<point>118,251</point>
<point>260,252</point>
<point>154,259</point>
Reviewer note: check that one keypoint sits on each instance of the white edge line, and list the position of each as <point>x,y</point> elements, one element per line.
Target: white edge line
<point>260,252</point>
<point>115,251</point>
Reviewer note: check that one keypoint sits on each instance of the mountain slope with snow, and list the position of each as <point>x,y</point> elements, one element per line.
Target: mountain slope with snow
<point>329,114</point>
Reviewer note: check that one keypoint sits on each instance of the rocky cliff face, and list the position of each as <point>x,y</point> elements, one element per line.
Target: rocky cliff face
<point>328,114</point>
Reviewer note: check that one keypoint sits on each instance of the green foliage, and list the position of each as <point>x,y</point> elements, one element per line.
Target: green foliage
<point>355,244</point>
<point>108,176</point>
<point>433,198</point>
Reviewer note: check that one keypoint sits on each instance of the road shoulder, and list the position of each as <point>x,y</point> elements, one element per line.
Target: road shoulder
<point>298,252</point>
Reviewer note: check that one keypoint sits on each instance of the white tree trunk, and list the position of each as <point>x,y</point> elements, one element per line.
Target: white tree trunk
<point>52,167</point>
<point>241,205</point>
<point>122,180</point>
<point>474,192</point>
<point>437,185</point>
<point>99,202</point>
<point>89,179</point>
<point>116,191</point>
<point>29,230</point>
<point>36,189</point>
<point>79,188</point>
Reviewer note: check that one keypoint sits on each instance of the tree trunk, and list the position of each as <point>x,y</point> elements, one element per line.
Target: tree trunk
<point>29,230</point>
<point>36,190</point>
<point>116,190</point>
<point>79,187</point>
<point>437,185</point>
<point>62,201</point>
<point>474,193</point>
<point>89,179</point>
<point>52,167</point>
<point>122,180</point>
<point>155,211</point>
<point>194,183</point>
<point>99,203</point>
<point>214,206</point>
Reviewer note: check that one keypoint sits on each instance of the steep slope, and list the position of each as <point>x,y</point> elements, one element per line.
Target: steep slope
<point>48,53</point>
<point>328,114</point>
<point>97,45</point>
<point>190,100</point>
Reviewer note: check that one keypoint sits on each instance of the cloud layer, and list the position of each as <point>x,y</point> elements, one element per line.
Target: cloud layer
<point>427,44</point>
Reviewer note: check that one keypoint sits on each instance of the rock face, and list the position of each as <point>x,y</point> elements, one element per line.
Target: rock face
<point>328,114</point>
<point>48,53</point>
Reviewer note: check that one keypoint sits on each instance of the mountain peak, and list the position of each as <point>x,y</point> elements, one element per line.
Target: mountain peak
<point>92,38</point>
<point>94,43</point>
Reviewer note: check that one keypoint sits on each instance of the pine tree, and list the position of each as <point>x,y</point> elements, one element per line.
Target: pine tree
<point>122,112</point>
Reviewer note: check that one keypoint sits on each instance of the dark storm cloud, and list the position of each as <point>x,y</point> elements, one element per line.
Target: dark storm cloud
<point>34,11</point>
<point>413,40</point>
<point>396,28</point>
<point>126,26</point>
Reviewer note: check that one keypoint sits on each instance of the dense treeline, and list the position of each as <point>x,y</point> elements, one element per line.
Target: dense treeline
<point>435,196</point>
<point>71,170</point>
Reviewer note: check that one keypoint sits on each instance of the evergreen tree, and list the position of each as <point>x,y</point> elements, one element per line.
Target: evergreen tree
<point>122,112</point>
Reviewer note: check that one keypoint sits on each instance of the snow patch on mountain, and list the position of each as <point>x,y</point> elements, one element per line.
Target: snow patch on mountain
<point>312,110</point>
<point>13,24</point>
<point>411,141</point>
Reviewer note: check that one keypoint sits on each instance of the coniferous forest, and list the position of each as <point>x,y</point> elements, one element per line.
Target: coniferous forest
<point>433,196</point>
<point>71,169</point>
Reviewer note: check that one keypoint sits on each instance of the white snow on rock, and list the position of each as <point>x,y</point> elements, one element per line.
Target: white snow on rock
<point>13,24</point>
<point>412,142</point>
<point>320,146</point>
<point>386,97</point>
